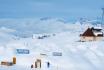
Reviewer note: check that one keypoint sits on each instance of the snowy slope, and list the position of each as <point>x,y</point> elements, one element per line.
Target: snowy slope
<point>75,55</point>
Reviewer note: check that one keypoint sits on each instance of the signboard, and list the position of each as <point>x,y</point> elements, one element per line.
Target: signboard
<point>57,54</point>
<point>22,51</point>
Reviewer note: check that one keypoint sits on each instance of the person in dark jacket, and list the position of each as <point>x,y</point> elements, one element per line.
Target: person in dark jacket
<point>48,64</point>
<point>32,66</point>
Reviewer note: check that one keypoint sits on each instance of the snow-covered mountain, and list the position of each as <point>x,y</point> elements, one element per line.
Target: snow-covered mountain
<point>30,26</point>
<point>97,21</point>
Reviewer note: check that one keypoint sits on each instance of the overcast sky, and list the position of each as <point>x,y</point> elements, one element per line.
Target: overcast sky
<point>68,9</point>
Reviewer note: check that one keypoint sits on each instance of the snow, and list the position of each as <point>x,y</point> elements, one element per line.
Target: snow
<point>97,27</point>
<point>75,55</point>
<point>97,33</point>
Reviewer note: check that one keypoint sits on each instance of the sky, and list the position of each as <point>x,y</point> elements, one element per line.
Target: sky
<point>67,9</point>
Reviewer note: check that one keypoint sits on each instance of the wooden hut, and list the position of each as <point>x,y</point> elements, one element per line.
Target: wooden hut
<point>92,34</point>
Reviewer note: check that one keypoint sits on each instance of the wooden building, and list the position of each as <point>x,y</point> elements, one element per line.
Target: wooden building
<point>92,34</point>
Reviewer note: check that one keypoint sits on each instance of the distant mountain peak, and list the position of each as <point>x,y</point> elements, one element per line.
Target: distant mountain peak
<point>53,19</point>
<point>45,18</point>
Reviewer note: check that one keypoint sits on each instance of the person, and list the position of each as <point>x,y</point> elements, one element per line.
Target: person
<point>48,64</point>
<point>32,66</point>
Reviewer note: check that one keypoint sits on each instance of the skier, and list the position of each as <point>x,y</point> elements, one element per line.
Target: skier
<point>48,64</point>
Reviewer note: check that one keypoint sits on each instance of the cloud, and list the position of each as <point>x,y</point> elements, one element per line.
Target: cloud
<point>6,30</point>
<point>31,26</point>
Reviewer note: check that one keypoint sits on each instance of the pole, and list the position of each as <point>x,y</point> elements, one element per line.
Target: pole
<point>57,66</point>
<point>102,16</point>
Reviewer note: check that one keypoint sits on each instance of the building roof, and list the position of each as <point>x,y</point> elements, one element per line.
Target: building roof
<point>93,32</point>
<point>88,32</point>
<point>97,27</point>
<point>98,33</point>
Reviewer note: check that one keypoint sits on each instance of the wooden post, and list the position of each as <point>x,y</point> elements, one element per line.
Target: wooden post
<point>38,63</point>
<point>14,60</point>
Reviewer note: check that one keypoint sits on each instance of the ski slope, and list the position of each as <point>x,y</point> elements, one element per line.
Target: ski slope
<point>75,55</point>
<point>60,37</point>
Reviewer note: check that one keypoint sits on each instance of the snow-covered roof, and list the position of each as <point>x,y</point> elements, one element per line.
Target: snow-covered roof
<point>98,27</point>
<point>97,33</point>
<point>94,31</point>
